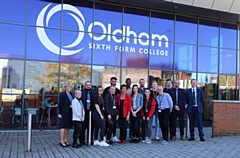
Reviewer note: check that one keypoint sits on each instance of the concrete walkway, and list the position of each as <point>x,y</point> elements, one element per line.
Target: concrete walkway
<point>46,144</point>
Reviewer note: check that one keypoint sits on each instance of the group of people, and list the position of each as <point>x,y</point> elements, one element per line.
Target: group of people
<point>138,104</point>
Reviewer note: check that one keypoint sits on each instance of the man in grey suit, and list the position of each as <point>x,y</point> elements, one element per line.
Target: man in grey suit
<point>195,100</point>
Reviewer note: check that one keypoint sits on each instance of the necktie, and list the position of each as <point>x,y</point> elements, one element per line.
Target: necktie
<point>177,96</point>
<point>194,101</point>
<point>88,101</point>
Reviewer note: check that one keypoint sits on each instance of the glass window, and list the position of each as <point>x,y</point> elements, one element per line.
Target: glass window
<point>107,54</point>
<point>12,41</point>
<point>13,11</point>
<point>43,44</point>
<point>186,30</point>
<point>160,76</point>
<point>41,75</point>
<point>76,18</point>
<point>76,47</point>
<point>134,75</point>
<point>44,14</point>
<point>161,55</point>
<point>11,76</point>
<point>162,26</point>
<point>185,57</point>
<point>228,36</point>
<point>184,78</point>
<point>136,23</point>
<point>207,59</point>
<point>110,25</point>
<point>227,87</point>
<point>209,84</point>
<point>228,61</point>
<point>208,33</point>
<point>135,55</point>
<point>101,75</point>
<point>74,74</point>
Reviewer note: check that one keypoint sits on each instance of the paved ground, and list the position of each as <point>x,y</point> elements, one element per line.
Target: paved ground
<point>46,144</point>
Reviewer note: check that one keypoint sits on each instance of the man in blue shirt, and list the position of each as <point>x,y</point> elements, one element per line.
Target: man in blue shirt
<point>165,106</point>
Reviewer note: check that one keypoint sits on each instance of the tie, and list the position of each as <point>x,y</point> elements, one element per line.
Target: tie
<point>194,101</point>
<point>177,96</point>
<point>88,101</point>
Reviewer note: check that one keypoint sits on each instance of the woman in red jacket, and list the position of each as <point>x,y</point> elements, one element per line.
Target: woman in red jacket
<point>124,102</point>
<point>148,110</point>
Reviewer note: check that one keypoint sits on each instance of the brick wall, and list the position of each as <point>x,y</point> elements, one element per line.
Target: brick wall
<point>226,118</point>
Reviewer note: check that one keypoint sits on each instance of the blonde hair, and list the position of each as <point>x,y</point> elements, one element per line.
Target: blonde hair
<point>78,91</point>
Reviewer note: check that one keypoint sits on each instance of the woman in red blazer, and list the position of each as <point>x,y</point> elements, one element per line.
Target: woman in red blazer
<point>124,102</point>
<point>148,110</point>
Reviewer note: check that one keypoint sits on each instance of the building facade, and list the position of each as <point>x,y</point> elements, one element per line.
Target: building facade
<point>45,44</point>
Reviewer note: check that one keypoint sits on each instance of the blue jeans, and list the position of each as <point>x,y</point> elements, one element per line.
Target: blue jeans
<point>148,127</point>
<point>156,124</point>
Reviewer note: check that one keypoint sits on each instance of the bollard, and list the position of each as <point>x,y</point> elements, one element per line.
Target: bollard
<point>187,128</point>
<point>29,132</point>
<point>89,128</point>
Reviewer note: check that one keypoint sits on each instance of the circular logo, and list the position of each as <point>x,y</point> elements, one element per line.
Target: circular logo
<point>43,36</point>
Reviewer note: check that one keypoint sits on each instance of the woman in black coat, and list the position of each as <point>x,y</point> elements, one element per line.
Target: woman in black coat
<point>65,111</point>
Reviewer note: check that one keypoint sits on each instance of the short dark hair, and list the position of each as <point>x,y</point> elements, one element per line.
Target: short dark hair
<point>141,79</point>
<point>87,82</point>
<point>148,89</point>
<point>113,78</point>
<point>168,80</point>
<point>123,85</point>
<point>128,79</point>
<point>193,79</point>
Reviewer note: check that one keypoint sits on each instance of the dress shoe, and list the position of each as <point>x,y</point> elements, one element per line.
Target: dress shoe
<point>191,139</point>
<point>75,145</point>
<point>124,142</point>
<point>67,144</point>
<point>63,144</point>
<point>120,142</point>
<point>202,139</point>
<point>182,138</point>
<point>173,138</point>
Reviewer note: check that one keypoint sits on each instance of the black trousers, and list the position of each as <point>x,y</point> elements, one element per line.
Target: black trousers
<point>77,130</point>
<point>99,124</point>
<point>173,119</point>
<point>143,131</point>
<point>135,125</point>
<point>106,128</point>
<point>163,117</point>
<point>111,125</point>
<point>85,127</point>
<point>123,127</point>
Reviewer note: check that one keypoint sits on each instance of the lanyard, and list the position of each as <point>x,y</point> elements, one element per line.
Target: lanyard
<point>160,100</point>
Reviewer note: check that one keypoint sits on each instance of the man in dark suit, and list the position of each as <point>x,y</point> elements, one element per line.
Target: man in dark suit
<point>195,100</point>
<point>87,98</point>
<point>178,97</point>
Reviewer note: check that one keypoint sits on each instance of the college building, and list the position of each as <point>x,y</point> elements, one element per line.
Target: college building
<point>46,44</point>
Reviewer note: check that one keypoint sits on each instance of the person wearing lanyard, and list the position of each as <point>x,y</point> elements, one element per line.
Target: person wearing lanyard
<point>137,104</point>
<point>165,106</point>
<point>124,102</point>
<point>111,104</point>
<point>147,115</point>
<point>98,116</point>
<point>78,117</point>
<point>65,113</point>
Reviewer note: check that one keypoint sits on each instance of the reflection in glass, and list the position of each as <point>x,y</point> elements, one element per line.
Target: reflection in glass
<point>12,41</point>
<point>184,78</point>
<point>208,33</point>
<point>11,76</point>
<point>228,36</point>
<point>101,75</point>
<point>134,75</point>
<point>185,57</point>
<point>209,84</point>
<point>186,30</point>
<point>74,74</point>
<point>160,76</point>
<point>207,59</point>
<point>227,61</point>
<point>227,87</point>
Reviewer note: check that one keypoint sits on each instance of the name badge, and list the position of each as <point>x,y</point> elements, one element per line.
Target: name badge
<point>70,106</point>
<point>88,101</point>
<point>146,110</point>
<point>159,111</point>
<point>114,107</point>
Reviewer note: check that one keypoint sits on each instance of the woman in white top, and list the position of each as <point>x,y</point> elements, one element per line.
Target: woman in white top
<point>77,117</point>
